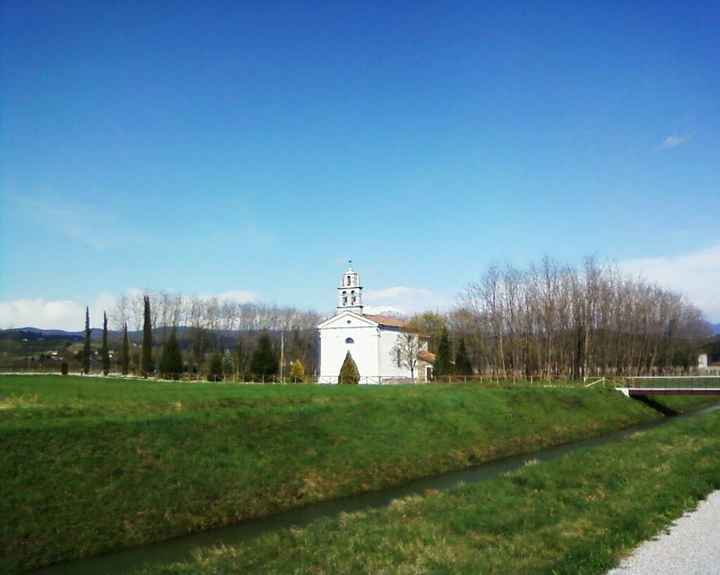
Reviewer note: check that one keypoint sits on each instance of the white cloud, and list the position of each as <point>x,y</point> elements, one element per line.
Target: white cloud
<point>236,296</point>
<point>42,313</point>
<point>696,275</point>
<point>403,300</point>
<point>54,314</point>
<point>70,314</point>
<point>673,142</point>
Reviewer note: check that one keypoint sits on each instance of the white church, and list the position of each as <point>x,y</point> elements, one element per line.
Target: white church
<point>372,340</point>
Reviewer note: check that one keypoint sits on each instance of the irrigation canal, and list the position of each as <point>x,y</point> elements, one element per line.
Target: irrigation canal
<point>181,548</point>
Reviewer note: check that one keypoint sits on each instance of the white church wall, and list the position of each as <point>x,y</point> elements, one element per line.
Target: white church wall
<point>334,346</point>
<point>388,358</point>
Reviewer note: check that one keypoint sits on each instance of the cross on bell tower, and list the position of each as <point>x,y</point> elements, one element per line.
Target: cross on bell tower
<point>350,292</point>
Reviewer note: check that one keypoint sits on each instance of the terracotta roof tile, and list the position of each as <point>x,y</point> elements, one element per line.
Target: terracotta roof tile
<point>387,320</point>
<point>426,356</point>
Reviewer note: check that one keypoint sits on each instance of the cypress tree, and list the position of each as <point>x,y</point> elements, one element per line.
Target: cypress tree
<point>86,348</point>
<point>215,368</point>
<point>228,364</point>
<point>443,362</point>
<point>200,345</point>
<point>349,373</point>
<point>264,364</point>
<point>125,353</point>
<point>240,358</point>
<point>147,366</point>
<point>462,361</point>
<point>105,352</point>
<point>171,364</point>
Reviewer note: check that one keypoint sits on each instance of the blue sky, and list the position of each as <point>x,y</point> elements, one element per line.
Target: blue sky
<point>223,146</point>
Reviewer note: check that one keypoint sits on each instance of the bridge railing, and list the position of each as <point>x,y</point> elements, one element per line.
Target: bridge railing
<point>671,381</point>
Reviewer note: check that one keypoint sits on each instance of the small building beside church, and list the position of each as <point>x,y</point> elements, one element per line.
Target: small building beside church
<point>373,341</point>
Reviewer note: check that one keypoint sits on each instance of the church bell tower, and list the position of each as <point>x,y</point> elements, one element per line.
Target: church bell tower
<point>350,292</point>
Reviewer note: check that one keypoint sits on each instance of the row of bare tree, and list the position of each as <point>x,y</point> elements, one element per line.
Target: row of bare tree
<point>211,324</point>
<point>211,313</point>
<point>548,320</point>
<point>555,320</point>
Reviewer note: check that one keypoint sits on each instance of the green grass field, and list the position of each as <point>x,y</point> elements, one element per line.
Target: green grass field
<point>574,516</point>
<point>89,465</point>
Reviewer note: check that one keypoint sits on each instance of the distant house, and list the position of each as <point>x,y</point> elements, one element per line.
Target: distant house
<point>703,361</point>
<point>373,341</point>
<point>709,357</point>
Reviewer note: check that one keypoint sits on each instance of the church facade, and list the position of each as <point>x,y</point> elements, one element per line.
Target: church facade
<point>375,342</point>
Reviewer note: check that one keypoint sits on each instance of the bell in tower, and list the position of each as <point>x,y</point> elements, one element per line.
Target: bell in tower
<point>350,292</point>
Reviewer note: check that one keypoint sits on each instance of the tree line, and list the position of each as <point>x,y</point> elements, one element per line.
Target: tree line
<point>547,320</point>
<point>174,335</point>
<point>554,320</point>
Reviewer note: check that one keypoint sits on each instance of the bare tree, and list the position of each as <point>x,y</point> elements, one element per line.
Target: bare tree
<point>558,321</point>
<point>120,314</point>
<point>136,310</point>
<point>405,351</point>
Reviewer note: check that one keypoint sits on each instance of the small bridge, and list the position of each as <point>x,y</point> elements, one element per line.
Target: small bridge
<point>671,385</point>
<point>642,388</point>
<point>645,391</point>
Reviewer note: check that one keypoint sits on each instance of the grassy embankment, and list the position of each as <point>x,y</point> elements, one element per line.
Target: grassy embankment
<point>576,515</point>
<point>92,465</point>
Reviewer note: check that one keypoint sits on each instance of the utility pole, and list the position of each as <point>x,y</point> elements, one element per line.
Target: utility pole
<point>282,354</point>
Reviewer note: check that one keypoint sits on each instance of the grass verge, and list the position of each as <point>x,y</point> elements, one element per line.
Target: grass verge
<point>577,515</point>
<point>93,465</point>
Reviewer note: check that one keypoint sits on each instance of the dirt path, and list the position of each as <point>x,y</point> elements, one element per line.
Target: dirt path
<point>691,547</point>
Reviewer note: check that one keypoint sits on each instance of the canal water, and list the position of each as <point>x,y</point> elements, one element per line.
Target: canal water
<point>181,548</point>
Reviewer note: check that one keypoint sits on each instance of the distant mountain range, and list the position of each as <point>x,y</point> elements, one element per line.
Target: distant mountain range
<point>42,332</point>
<point>37,334</point>
<point>94,332</point>
<point>34,333</point>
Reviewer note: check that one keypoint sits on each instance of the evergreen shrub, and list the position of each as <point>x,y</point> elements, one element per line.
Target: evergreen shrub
<point>349,373</point>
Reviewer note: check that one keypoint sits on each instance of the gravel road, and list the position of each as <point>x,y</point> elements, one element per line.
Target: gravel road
<point>691,547</point>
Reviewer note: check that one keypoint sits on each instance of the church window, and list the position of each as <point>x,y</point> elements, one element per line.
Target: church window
<point>349,340</point>
<point>344,300</point>
<point>397,351</point>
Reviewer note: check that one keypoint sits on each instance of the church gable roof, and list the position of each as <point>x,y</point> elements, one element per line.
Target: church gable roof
<point>364,319</point>
<point>341,320</point>
<point>387,321</point>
